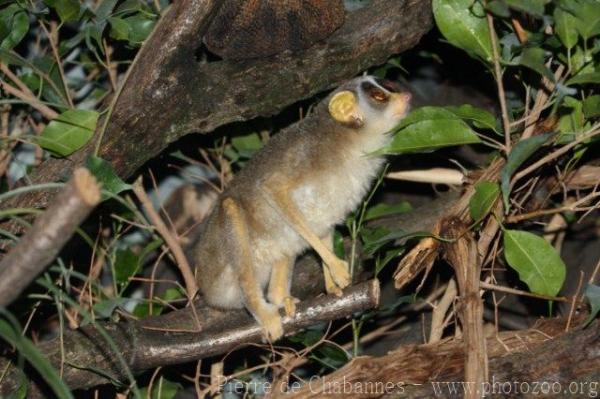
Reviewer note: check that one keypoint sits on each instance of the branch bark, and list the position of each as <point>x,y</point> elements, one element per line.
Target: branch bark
<point>50,232</point>
<point>172,339</point>
<point>463,257</point>
<point>170,94</point>
<point>521,359</point>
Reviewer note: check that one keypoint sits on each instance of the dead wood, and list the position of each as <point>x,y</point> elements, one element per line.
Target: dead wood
<point>542,354</point>
<point>461,254</point>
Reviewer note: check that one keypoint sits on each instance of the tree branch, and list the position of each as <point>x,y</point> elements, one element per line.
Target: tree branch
<point>49,233</point>
<point>180,259</point>
<point>172,338</point>
<point>545,354</point>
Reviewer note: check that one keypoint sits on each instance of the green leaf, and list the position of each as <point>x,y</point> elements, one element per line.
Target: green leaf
<point>128,6</point>
<point>70,131</point>
<point>21,392</point>
<point>119,29</point>
<point>139,28</point>
<point>532,7</point>
<point>534,58</point>
<point>481,118</point>
<point>381,210</point>
<point>126,265</point>
<point>591,106</point>
<point>584,78</point>
<point>67,10</point>
<point>380,236</point>
<point>572,121</point>
<point>11,58</point>
<point>380,264</point>
<point>464,25</point>
<point>486,193</point>
<point>52,83</point>
<point>425,113</point>
<point>519,154</point>
<point>332,355</point>
<point>308,337</point>
<point>106,307</point>
<point>338,244</point>
<point>106,175</point>
<point>498,8</point>
<point>142,310</point>
<point>92,34</point>
<point>162,389</point>
<point>105,9</point>
<point>587,13</point>
<point>430,128</point>
<point>372,238</point>
<point>592,293</point>
<point>29,351</point>
<point>247,145</point>
<point>537,262</point>
<point>565,25</point>
<point>13,27</point>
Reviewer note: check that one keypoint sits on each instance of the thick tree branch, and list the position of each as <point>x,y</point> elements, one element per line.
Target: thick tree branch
<point>169,93</point>
<point>545,354</point>
<point>51,230</point>
<point>173,339</point>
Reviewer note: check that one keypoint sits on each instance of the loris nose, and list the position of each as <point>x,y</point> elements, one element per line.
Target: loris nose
<point>405,97</point>
<point>402,103</point>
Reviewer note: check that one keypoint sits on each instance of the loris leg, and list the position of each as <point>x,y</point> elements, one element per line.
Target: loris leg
<point>280,284</point>
<point>330,286</point>
<point>277,196</point>
<point>266,313</point>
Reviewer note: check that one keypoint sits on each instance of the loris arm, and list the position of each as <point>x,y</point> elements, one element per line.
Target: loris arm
<point>276,193</point>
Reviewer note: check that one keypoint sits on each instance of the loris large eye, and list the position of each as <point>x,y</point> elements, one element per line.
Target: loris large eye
<point>378,95</point>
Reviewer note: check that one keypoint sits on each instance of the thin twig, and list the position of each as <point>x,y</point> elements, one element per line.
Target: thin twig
<point>507,290</point>
<point>500,84</point>
<point>51,38</point>
<point>440,310</point>
<point>541,100</point>
<point>171,241</point>
<point>30,99</point>
<point>574,301</point>
<point>574,207</point>
<point>593,131</point>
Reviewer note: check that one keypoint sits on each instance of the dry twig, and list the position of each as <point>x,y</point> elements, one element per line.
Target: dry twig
<point>162,229</point>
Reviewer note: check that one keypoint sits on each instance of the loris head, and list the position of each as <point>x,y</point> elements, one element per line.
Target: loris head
<point>369,105</point>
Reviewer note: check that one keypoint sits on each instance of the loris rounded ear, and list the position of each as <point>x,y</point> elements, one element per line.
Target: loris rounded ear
<point>343,107</point>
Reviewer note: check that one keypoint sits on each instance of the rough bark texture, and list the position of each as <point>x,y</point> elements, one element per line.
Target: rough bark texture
<point>49,233</point>
<point>462,255</point>
<point>173,338</point>
<point>543,354</point>
<point>170,94</point>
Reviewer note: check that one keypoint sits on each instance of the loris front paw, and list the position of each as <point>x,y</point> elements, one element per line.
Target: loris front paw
<point>271,322</point>
<point>340,273</point>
